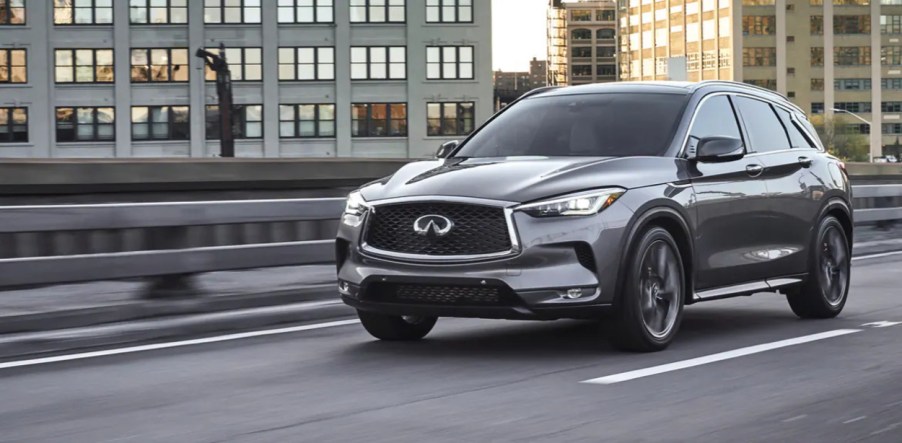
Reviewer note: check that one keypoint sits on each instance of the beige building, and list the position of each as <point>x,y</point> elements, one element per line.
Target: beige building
<point>582,42</point>
<point>853,66</point>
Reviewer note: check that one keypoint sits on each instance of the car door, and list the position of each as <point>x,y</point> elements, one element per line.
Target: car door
<point>789,212</point>
<point>730,204</point>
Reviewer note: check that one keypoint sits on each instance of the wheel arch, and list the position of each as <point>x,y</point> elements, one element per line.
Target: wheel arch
<point>839,208</point>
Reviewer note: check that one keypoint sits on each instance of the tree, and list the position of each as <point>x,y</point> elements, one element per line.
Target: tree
<point>848,146</point>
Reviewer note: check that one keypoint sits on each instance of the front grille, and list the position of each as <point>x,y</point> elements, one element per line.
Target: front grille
<point>437,294</point>
<point>477,230</point>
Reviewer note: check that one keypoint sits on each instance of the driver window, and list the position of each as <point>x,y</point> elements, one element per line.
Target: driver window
<point>714,119</point>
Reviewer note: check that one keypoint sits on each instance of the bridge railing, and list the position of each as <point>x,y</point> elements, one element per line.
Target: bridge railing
<point>91,242</point>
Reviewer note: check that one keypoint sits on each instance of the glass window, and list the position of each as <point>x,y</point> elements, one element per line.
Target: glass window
<point>450,62</point>
<point>378,11</point>
<point>247,122</point>
<point>159,65</point>
<point>891,55</point>
<point>82,12</point>
<point>307,121</point>
<point>245,64</point>
<point>851,24</point>
<point>231,11</point>
<point>817,56</point>
<point>309,63</point>
<point>715,118</point>
<point>759,56</point>
<point>765,132</point>
<point>160,123</point>
<point>450,118</point>
<point>158,12</point>
<point>379,120</point>
<point>891,24</point>
<point>581,52</point>
<point>816,24</point>
<point>852,56</point>
<point>13,66</point>
<point>581,34</point>
<point>84,65</point>
<point>378,63</point>
<point>581,15</point>
<point>85,124</point>
<point>759,25</point>
<point>817,84</point>
<point>12,12</point>
<point>306,11</point>
<point>449,11</point>
<point>616,124</point>
<point>796,135</point>
<point>13,125</point>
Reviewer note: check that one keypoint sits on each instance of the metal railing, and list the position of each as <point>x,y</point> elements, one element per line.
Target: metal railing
<point>176,255</point>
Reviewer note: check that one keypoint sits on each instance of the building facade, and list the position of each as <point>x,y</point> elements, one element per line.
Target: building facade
<point>582,42</point>
<point>511,85</point>
<point>853,64</point>
<point>322,78</point>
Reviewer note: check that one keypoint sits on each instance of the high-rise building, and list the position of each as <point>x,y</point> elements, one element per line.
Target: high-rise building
<point>511,85</point>
<point>851,65</point>
<point>582,42</point>
<point>119,78</point>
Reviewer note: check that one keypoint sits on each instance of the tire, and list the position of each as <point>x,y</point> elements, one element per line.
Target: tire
<point>395,327</point>
<point>824,293</point>
<point>651,308</point>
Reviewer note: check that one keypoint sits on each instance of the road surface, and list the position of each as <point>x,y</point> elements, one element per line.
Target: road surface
<point>475,380</point>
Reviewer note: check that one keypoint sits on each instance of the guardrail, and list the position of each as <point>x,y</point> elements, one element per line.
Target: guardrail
<point>171,251</point>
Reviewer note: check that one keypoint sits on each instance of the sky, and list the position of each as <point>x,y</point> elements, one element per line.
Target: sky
<point>518,33</point>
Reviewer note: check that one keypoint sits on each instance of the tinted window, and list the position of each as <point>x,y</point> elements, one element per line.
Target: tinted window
<point>796,138</point>
<point>617,125</point>
<point>714,119</point>
<point>765,131</point>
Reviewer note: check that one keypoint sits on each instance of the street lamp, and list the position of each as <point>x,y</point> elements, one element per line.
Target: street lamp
<point>873,147</point>
<point>220,66</point>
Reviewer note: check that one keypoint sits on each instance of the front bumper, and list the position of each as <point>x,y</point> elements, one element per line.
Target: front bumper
<point>557,257</point>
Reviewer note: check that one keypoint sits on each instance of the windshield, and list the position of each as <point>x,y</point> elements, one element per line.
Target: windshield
<point>589,125</point>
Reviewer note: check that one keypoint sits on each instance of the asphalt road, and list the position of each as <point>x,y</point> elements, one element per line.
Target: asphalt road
<point>474,380</point>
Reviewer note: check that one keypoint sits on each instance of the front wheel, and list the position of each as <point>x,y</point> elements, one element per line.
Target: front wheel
<point>825,292</point>
<point>396,327</point>
<point>651,309</point>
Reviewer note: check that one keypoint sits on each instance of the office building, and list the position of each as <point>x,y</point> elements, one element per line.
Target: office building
<point>510,85</point>
<point>851,65</point>
<point>323,78</point>
<point>582,43</point>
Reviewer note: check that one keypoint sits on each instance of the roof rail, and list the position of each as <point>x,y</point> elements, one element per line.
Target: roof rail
<point>751,86</point>
<point>536,91</point>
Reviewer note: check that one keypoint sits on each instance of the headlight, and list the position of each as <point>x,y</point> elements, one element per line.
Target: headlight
<point>355,208</point>
<point>583,203</point>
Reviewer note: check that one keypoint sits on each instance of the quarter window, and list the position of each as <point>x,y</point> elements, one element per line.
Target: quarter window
<point>449,11</point>
<point>378,11</point>
<point>143,12</point>
<point>307,121</point>
<point>379,120</point>
<point>12,12</point>
<point>160,123</point>
<point>13,67</point>
<point>796,136</point>
<point>714,119</point>
<point>449,62</point>
<point>82,12</point>
<point>450,118</point>
<point>84,65</point>
<point>306,11</point>
<point>85,124</point>
<point>13,125</point>
<point>764,128</point>
<point>159,65</point>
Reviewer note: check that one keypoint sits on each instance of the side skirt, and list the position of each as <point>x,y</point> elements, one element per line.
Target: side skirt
<point>749,288</point>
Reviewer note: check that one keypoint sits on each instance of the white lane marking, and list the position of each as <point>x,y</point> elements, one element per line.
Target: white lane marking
<point>797,417</point>
<point>887,429</point>
<point>174,344</point>
<point>741,352</point>
<point>882,324</point>
<point>855,419</point>
<point>883,254</point>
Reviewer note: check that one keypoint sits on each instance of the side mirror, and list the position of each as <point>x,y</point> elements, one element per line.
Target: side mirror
<point>719,149</point>
<point>446,148</point>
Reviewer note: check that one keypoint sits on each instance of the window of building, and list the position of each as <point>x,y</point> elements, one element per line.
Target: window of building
<point>759,25</point>
<point>759,56</point>
<point>851,2</point>
<point>760,121</point>
<point>449,62</point>
<point>450,118</point>
<point>307,121</point>
<point>768,84</point>
<point>449,11</point>
<point>581,70</point>
<point>83,12</point>
<point>159,65</point>
<point>790,39</point>
<point>891,107</point>
<point>378,62</point>
<point>816,23</point>
<point>13,125</point>
<point>379,120</point>
<point>816,2</point>
<point>605,34</point>
<point>85,124</point>
<point>891,2</point>
<point>247,122</point>
<point>158,11</point>
<point>852,84</point>
<point>13,66</point>
<point>84,66</point>
<point>581,15</point>
<point>757,2</point>
<point>306,11</point>
<point>791,71</point>
<point>817,84</point>
<point>891,55</point>
<point>581,34</point>
<point>231,11</point>
<point>604,51</point>
<point>891,24</point>
<point>605,70</point>
<point>817,56</point>
<point>245,64</point>
<point>892,128</point>
<point>891,83</point>
<point>817,107</point>
<point>378,11</point>
<point>582,52</point>
<point>852,55</point>
<point>853,106</point>
<point>160,123</point>
<point>851,24</point>
<point>605,15</point>
<point>12,12</point>
<point>311,63</point>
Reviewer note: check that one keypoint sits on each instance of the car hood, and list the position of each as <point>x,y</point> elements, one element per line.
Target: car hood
<point>522,179</point>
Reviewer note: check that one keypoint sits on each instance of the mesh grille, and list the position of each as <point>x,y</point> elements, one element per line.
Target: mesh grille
<point>477,229</point>
<point>586,257</point>
<point>437,294</point>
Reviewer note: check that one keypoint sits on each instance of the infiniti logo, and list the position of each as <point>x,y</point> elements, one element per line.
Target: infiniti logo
<point>436,225</point>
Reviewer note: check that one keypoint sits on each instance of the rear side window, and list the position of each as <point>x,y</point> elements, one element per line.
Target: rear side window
<point>715,118</point>
<point>765,130</point>
<point>796,138</point>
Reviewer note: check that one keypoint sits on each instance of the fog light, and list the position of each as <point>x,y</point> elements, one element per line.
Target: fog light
<point>344,288</point>
<point>573,293</point>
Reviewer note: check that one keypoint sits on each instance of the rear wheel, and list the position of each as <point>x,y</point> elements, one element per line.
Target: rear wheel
<point>825,292</point>
<point>651,309</point>
<point>396,327</point>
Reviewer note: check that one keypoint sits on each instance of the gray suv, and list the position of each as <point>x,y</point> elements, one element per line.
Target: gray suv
<point>620,201</point>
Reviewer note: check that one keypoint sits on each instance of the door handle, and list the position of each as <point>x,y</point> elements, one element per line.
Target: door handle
<point>754,170</point>
<point>805,161</point>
